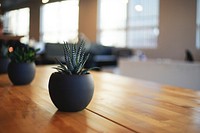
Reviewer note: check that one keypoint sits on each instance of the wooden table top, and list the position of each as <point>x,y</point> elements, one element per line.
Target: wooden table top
<point>119,105</point>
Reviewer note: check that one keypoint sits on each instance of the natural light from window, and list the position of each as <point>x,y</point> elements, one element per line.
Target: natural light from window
<point>112,23</point>
<point>143,23</point>
<point>198,25</point>
<point>17,22</point>
<point>59,21</point>
<point>129,23</point>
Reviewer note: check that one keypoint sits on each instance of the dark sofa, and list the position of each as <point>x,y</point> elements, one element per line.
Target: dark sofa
<point>99,55</point>
<point>50,52</point>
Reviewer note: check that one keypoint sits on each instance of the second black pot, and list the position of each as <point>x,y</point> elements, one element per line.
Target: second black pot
<point>21,73</point>
<point>4,65</point>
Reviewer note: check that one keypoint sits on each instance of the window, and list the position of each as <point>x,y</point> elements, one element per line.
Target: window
<point>59,21</point>
<point>112,22</point>
<point>129,23</point>
<point>16,22</point>
<point>142,23</point>
<point>198,26</point>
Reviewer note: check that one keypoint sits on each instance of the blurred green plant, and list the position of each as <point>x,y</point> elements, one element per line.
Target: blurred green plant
<point>22,54</point>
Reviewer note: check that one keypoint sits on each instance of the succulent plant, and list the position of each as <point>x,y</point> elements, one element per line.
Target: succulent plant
<point>75,59</point>
<point>22,54</point>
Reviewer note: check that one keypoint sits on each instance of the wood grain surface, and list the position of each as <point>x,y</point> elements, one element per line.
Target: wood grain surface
<point>119,105</point>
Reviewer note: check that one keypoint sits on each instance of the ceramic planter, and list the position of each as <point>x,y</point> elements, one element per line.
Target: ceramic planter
<point>71,93</point>
<point>4,65</point>
<point>21,73</point>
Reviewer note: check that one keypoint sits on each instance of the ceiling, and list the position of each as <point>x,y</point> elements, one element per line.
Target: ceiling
<point>8,4</point>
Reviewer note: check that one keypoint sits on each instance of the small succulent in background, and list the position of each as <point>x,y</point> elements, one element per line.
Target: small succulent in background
<point>75,59</point>
<point>22,54</point>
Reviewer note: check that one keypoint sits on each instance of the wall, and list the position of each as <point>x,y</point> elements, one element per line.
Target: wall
<point>88,18</point>
<point>35,21</point>
<point>177,30</point>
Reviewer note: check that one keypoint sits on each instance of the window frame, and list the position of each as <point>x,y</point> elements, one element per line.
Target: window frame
<point>198,25</point>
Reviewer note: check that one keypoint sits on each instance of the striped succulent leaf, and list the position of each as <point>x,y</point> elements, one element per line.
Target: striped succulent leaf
<point>75,59</point>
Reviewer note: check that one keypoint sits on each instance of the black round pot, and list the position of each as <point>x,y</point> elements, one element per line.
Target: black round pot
<point>4,64</point>
<point>21,73</point>
<point>71,93</point>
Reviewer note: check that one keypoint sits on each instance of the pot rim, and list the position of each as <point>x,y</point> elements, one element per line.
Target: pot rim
<point>68,75</point>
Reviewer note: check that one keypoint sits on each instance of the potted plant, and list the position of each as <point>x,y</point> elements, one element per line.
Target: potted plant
<point>21,69</point>
<point>71,87</point>
<point>4,60</point>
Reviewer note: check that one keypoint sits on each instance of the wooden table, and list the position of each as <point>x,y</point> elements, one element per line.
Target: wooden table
<point>119,105</point>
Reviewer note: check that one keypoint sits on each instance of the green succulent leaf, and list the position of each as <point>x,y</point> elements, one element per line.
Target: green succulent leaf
<point>87,70</point>
<point>63,68</point>
<point>75,59</point>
